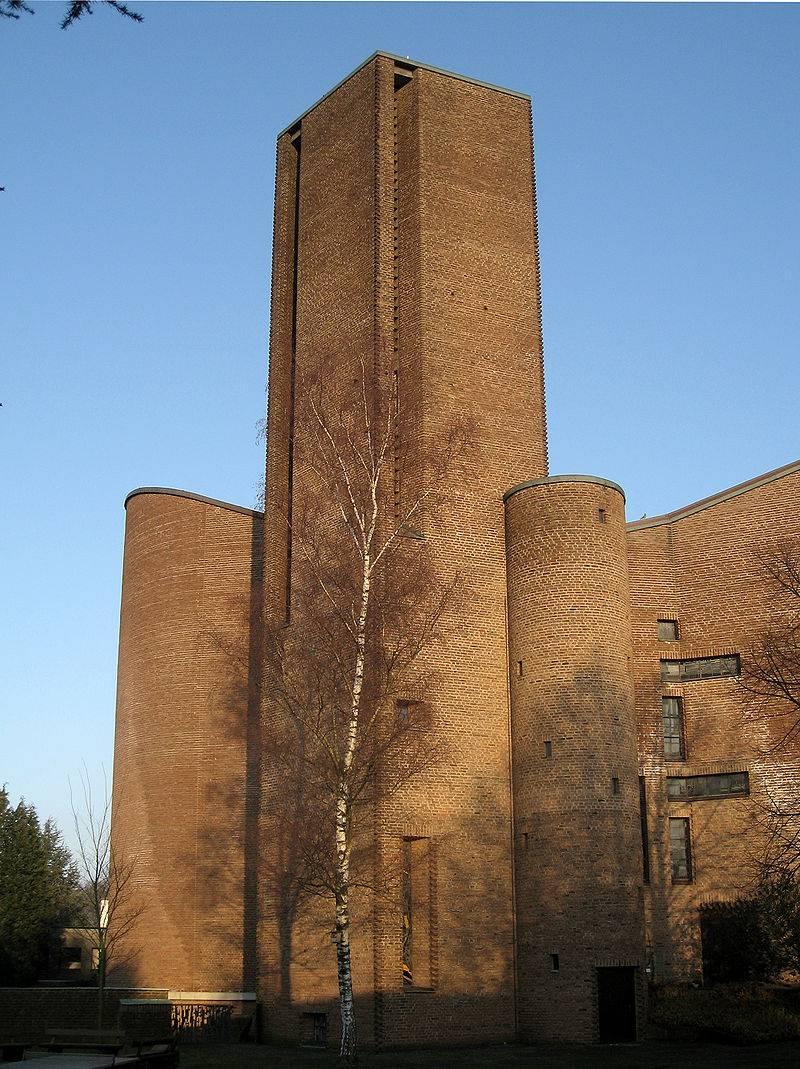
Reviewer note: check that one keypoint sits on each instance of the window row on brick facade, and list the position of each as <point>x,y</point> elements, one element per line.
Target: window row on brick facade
<point>699,668</point>
<point>718,785</point>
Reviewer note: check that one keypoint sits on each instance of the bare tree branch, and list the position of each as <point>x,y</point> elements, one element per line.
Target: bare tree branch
<point>366,603</point>
<point>106,890</point>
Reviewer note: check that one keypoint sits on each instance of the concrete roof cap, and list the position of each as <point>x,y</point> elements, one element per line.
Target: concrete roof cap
<point>412,64</point>
<point>192,497</point>
<point>715,499</point>
<point>563,479</point>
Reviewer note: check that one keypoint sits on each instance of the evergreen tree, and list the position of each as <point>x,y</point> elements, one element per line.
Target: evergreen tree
<point>37,887</point>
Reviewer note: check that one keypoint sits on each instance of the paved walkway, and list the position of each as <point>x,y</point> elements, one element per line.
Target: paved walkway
<point>75,1061</point>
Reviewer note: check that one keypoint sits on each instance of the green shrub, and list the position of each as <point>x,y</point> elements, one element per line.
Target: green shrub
<point>755,937</point>
<point>727,1013</point>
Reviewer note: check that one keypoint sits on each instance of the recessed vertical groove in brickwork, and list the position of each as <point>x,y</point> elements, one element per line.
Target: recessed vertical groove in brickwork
<point>252,762</point>
<point>272,332</point>
<point>511,823</point>
<point>198,735</point>
<point>293,374</point>
<point>538,285</point>
<point>395,364</point>
<point>377,338</point>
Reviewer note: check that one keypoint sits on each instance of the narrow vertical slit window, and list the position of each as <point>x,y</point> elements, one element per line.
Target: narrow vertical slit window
<point>548,748</point>
<point>408,915</point>
<point>680,848</point>
<point>615,784</point>
<point>672,718</point>
<point>416,899</point>
<point>555,963</point>
<point>645,830</point>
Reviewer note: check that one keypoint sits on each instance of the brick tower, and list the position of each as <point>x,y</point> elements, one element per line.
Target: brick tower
<point>405,244</point>
<point>405,198</point>
<point>580,923</point>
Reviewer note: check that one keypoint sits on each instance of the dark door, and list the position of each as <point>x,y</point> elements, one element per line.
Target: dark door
<point>616,1004</point>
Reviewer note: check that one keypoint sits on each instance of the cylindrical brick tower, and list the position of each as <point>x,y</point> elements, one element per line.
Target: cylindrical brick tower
<point>580,941</point>
<point>186,756</point>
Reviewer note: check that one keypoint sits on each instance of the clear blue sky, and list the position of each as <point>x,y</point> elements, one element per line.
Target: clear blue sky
<point>135,232</point>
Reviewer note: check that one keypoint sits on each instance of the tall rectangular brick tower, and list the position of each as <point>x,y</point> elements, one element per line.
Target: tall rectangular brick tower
<point>405,233</point>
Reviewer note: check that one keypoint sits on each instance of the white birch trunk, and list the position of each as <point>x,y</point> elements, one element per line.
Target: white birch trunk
<point>349,1042</point>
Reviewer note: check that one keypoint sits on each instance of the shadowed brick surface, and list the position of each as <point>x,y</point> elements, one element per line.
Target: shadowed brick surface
<point>405,235</point>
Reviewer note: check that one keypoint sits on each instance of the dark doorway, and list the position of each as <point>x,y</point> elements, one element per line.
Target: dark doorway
<point>616,1004</point>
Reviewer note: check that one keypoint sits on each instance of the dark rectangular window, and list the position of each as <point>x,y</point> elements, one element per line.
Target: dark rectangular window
<point>680,849</point>
<point>555,964</point>
<point>667,630</point>
<point>719,785</point>
<point>412,714</point>
<point>615,784</point>
<point>672,716</point>
<point>645,832</point>
<point>314,1030</point>
<point>699,668</point>
<point>548,748</point>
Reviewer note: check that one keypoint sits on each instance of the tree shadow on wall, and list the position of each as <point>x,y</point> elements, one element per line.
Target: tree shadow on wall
<point>224,858</point>
<point>724,837</point>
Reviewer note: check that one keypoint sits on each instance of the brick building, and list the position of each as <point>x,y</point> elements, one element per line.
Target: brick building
<point>600,782</point>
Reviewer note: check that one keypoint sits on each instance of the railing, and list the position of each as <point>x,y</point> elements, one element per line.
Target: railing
<point>199,1022</point>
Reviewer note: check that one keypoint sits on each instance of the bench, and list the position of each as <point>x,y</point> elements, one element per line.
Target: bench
<point>157,1051</point>
<point>12,1048</point>
<point>85,1039</point>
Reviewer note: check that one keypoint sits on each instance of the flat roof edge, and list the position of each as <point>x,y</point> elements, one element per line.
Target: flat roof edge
<point>170,492</point>
<point>410,63</point>
<point>715,499</point>
<point>549,479</point>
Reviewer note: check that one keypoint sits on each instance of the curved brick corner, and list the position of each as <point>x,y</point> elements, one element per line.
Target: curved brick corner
<point>577,849</point>
<point>184,728</point>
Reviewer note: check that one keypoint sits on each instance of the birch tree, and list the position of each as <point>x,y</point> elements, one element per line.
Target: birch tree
<point>366,603</point>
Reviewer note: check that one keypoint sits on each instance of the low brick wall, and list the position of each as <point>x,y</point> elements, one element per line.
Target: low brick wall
<point>30,1011</point>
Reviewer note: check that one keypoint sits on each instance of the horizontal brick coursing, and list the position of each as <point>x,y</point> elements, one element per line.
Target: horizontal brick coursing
<point>405,235</point>
<point>184,736</point>
<point>702,570</point>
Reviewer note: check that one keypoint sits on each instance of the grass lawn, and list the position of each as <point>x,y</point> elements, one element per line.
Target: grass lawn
<point>654,1055</point>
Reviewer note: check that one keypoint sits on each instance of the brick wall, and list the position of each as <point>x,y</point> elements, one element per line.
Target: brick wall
<point>576,796</point>
<point>186,736</point>
<point>28,1012</point>
<point>416,244</point>
<point>699,568</point>
<point>405,235</point>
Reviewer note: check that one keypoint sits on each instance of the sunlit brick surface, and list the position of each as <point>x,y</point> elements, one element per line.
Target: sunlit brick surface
<point>405,235</point>
<point>184,726</point>
<point>576,791</point>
